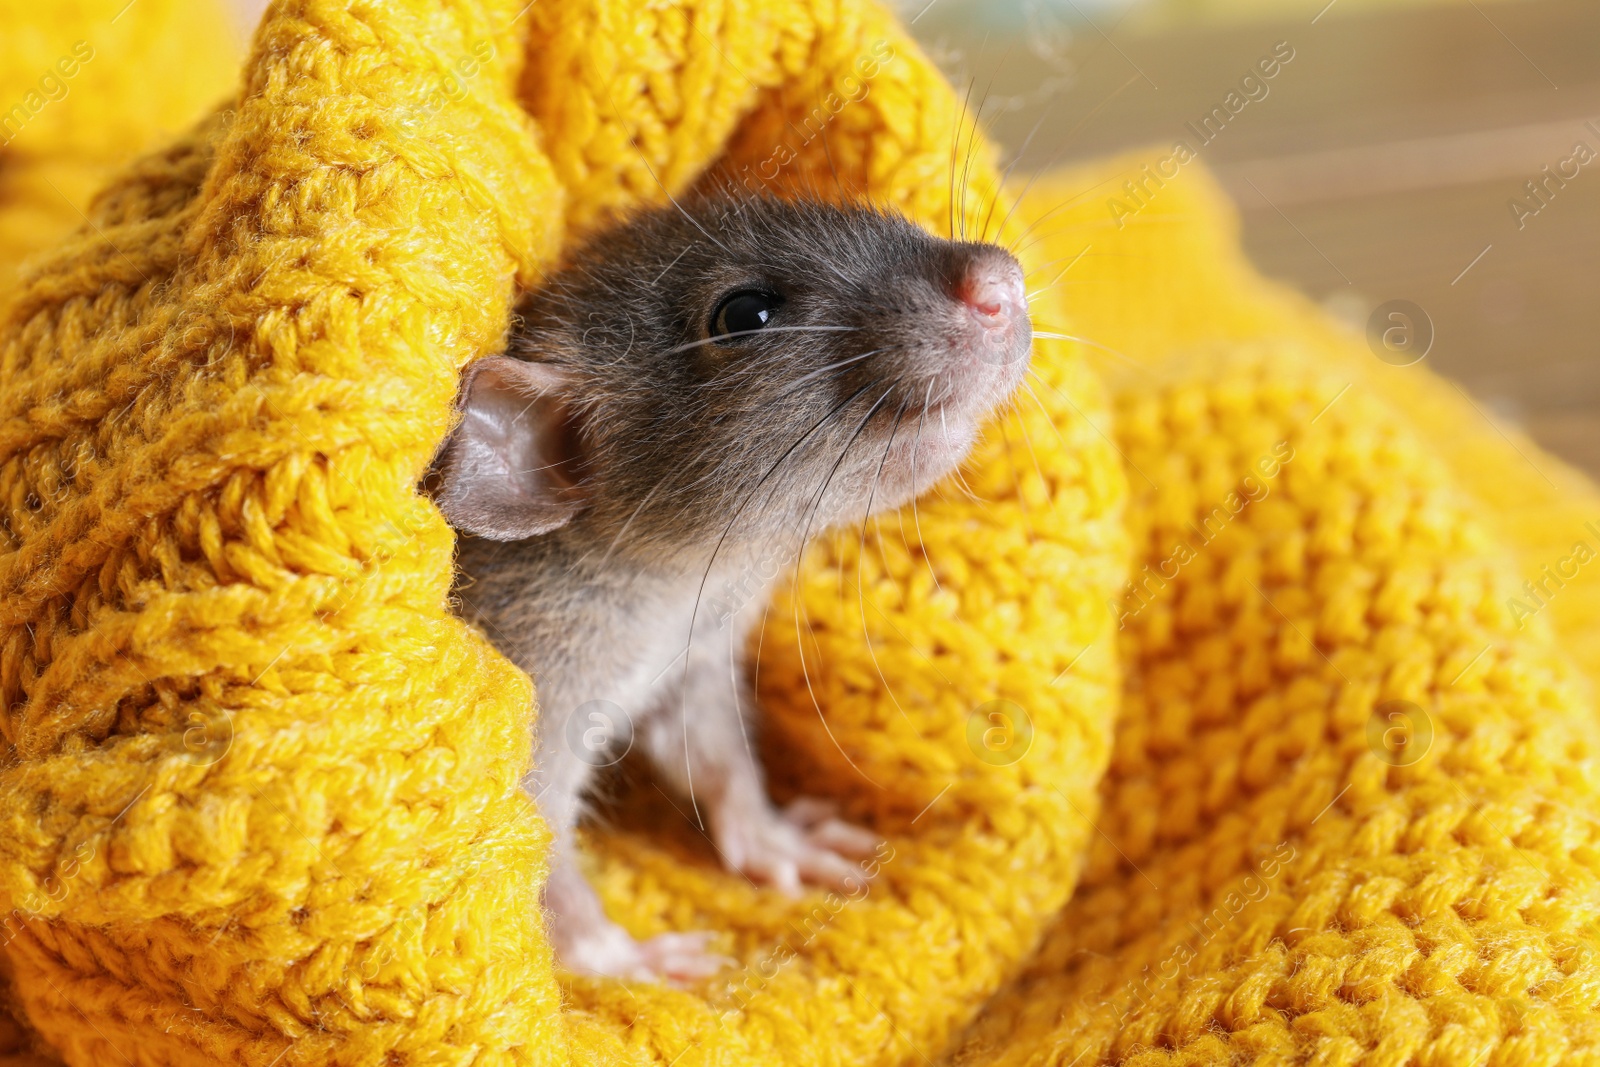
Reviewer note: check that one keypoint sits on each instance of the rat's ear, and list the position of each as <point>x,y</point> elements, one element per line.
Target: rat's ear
<point>510,469</point>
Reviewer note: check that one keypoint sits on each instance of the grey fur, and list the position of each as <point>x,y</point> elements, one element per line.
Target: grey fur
<point>691,463</point>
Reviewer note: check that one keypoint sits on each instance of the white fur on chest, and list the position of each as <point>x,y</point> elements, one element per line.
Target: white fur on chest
<point>671,629</point>
<point>684,628</point>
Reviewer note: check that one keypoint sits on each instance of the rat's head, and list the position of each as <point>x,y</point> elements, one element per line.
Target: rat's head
<point>746,365</point>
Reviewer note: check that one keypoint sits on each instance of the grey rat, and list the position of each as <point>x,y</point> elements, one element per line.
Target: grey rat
<point>691,396</point>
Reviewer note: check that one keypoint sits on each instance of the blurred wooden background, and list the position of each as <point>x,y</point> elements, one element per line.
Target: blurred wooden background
<point>1382,160</point>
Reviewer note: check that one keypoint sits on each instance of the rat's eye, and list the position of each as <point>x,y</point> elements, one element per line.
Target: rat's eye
<point>742,313</point>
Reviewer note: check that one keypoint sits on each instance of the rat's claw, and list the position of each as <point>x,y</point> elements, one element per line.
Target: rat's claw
<point>678,958</point>
<point>818,819</point>
<point>610,951</point>
<point>802,844</point>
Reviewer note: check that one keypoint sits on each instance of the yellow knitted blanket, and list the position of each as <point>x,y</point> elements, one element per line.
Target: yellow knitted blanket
<point>1309,789</point>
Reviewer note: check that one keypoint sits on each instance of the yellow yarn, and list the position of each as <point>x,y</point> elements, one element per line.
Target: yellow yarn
<point>85,85</point>
<point>1275,884</point>
<point>259,803</point>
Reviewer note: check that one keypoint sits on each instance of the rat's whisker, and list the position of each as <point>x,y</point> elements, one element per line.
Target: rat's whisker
<point>1088,224</point>
<point>804,535</point>
<point>1037,268</point>
<point>955,150</point>
<point>1016,482</point>
<point>977,124</point>
<point>694,614</point>
<point>764,329</point>
<point>738,683</point>
<point>820,371</point>
<point>960,475</point>
<point>1062,150</point>
<point>1005,176</point>
<point>1052,336</point>
<point>674,263</point>
<point>738,512</point>
<point>828,152</point>
<point>1020,243</point>
<point>1109,438</point>
<point>861,552</point>
<point>760,369</point>
<point>617,540</point>
<point>872,492</point>
<point>916,490</point>
<point>1049,419</point>
<point>1057,279</point>
<point>652,172</point>
<point>972,140</point>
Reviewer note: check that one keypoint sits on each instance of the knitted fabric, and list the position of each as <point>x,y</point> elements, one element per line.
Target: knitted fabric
<point>1351,810</point>
<point>262,799</point>
<point>259,803</point>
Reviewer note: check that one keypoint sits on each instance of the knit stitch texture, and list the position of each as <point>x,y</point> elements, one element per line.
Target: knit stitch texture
<point>258,803</point>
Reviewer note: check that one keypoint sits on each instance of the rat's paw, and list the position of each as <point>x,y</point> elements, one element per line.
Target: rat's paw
<point>611,952</point>
<point>678,958</point>
<point>803,843</point>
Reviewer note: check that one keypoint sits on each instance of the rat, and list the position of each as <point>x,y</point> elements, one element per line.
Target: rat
<point>690,397</point>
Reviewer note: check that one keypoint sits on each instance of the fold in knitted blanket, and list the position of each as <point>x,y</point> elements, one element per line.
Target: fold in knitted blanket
<point>1197,715</point>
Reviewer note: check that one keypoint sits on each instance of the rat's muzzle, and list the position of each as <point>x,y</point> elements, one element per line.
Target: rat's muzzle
<point>950,329</point>
<point>991,288</point>
<point>991,334</point>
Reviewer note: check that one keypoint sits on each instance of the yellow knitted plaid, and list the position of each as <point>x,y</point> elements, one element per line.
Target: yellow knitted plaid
<point>259,802</point>
<point>1349,816</point>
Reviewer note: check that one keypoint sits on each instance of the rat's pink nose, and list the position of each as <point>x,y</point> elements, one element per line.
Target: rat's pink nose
<point>992,288</point>
<point>987,284</point>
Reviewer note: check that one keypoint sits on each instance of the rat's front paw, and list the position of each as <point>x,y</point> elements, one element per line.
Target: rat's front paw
<point>802,843</point>
<point>609,951</point>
